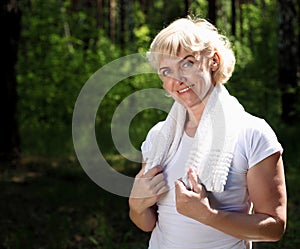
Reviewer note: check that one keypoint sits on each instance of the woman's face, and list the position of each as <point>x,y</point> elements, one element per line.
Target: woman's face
<point>188,80</point>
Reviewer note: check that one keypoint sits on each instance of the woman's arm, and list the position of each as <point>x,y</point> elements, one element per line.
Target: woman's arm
<point>145,220</point>
<point>267,191</point>
<point>146,191</point>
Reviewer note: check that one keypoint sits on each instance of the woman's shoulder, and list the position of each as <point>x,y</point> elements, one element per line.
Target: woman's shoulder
<point>253,125</point>
<point>152,133</point>
<point>157,126</point>
<point>154,130</point>
<point>257,139</point>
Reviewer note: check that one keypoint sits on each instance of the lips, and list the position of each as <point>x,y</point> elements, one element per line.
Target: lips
<point>185,89</point>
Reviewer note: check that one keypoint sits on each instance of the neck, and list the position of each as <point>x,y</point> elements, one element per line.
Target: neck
<point>192,120</point>
<point>194,113</point>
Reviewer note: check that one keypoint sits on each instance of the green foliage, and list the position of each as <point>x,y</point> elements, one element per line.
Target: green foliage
<point>62,208</point>
<point>57,56</point>
<point>52,204</point>
<point>199,8</point>
<point>62,46</point>
<point>255,80</point>
<point>142,35</point>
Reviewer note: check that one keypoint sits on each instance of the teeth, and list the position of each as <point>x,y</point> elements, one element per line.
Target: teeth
<point>186,89</point>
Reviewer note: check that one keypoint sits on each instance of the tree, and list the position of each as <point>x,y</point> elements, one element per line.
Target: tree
<point>212,9</point>
<point>241,21</point>
<point>122,25</point>
<point>187,4</point>
<point>112,20</point>
<point>233,18</point>
<point>288,59</point>
<point>10,18</point>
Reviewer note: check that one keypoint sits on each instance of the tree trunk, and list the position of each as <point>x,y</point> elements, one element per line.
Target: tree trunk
<point>122,9</point>
<point>233,18</point>
<point>241,23</point>
<point>212,11</point>
<point>10,19</point>
<point>187,4</point>
<point>130,24</point>
<point>112,20</point>
<point>288,59</point>
<point>99,13</point>
<point>146,5</point>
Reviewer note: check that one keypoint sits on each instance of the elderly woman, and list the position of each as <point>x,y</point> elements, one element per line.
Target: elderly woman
<point>212,174</point>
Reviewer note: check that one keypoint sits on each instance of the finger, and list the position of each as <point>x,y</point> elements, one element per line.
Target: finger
<point>158,182</point>
<point>193,176</point>
<point>163,190</point>
<point>141,172</point>
<point>179,187</point>
<point>157,179</point>
<point>154,171</point>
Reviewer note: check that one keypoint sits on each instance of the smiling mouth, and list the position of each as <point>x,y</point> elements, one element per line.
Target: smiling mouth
<point>185,89</point>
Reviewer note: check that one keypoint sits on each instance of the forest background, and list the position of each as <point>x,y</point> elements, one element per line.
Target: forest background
<point>49,49</point>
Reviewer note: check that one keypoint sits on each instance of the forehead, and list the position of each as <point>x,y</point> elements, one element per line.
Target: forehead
<point>166,59</point>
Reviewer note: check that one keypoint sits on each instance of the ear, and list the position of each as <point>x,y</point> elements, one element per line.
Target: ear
<point>215,63</point>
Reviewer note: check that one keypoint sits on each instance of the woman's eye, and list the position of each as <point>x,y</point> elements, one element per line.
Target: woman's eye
<point>166,72</point>
<point>187,64</point>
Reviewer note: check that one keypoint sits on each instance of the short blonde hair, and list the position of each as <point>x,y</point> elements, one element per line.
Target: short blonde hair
<point>196,36</point>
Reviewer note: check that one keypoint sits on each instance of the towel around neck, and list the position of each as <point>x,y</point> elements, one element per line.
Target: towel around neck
<point>214,143</point>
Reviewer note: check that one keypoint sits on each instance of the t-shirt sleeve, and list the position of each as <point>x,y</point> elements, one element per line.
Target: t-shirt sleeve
<point>263,143</point>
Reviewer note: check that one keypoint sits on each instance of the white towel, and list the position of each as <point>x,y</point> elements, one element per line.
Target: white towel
<point>214,142</point>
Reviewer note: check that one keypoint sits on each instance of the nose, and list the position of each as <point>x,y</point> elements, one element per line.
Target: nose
<point>179,78</point>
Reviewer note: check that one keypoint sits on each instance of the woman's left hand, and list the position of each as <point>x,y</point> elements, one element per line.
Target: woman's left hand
<point>193,203</point>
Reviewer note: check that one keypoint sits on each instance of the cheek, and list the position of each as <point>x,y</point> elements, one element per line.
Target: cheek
<point>204,78</point>
<point>167,85</point>
<point>203,84</point>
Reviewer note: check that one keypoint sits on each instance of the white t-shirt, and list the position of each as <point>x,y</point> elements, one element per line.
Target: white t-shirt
<point>256,141</point>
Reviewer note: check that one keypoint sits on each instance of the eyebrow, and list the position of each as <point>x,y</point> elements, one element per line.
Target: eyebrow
<point>190,55</point>
<point>181,60</point>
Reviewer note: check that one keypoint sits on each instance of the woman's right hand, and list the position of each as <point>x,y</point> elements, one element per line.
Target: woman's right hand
<point>147,189</point>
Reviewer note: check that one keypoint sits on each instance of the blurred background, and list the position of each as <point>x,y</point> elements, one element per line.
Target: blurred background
<point>49,49</point>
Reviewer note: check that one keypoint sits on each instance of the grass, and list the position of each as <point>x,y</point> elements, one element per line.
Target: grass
<point>53,204</point>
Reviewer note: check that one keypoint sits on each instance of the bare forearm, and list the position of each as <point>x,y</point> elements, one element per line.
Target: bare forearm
<point>254,227</point>
<point>146,220</point>
<point>269,219</point>
<point>147,189</point>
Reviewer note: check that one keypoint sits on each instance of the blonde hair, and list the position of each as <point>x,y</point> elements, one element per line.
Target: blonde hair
<point>197,36</point>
